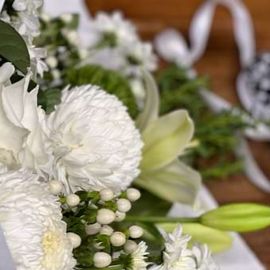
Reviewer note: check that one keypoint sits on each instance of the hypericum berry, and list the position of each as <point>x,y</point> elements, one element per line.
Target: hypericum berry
<point>67,18</point>
<point>118,239</point>
<point>52,62</point>
<point>55,187</point>
<point>123,205</point>
<point>135,232</point>
<point>102,259</point>
<point>75,239</point>
<point>130,246</point>
<point>133,194</point>
<point>92,229</point>
<point>107,230</point>
<point>72,200</point>
<point>119,216</point>
<point>106,194</point>
<point>105,216</point>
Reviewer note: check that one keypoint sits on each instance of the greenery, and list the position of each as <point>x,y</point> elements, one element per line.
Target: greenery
<point>215,133</point>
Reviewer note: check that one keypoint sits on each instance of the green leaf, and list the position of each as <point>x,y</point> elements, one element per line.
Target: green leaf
<point>165,139</point>
<point>49,98</point>
<point>174,183</point>
<point>217,241</point>
<point>160,207</point>
<point>13,47</point>
<point>151,106</point>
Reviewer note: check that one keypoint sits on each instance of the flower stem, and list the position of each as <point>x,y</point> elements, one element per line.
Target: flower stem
<point>156,219</point>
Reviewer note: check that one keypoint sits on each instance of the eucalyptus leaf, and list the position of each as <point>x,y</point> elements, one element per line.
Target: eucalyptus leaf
<point>151,106</point>
<point>175,183</point>
<point>13,47</point>
<point>217,240</point>
<point>165,139</point>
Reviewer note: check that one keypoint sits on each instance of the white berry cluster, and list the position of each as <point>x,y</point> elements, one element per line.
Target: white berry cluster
<point>109,210</point>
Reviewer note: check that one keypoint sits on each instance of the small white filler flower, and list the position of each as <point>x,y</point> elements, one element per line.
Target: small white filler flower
<point>31,220</point>
<point>94,141</point>
<point>112,29</point>
<point>177,255</point>
<point>138,257</point>
<point>25,19</point>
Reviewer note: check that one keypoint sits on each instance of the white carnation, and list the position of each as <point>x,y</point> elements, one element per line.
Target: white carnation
<point>22,141</point>
<point>94,141</point>
<point>32,223</point>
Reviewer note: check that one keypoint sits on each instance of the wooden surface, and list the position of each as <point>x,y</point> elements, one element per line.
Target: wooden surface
<point>221,63</point>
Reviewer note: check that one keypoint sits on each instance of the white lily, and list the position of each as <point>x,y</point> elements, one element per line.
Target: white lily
<point>165,139</point>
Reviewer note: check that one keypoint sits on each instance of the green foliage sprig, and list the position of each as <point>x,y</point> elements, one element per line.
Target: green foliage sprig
<point>215,133</point>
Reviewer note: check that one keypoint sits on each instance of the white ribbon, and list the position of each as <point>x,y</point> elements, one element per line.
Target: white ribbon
<point>171,45</point>
<point>6,261</point>
<point>1,4</point>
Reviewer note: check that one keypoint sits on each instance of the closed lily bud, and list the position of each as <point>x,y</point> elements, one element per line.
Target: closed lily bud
<point>239,217</point>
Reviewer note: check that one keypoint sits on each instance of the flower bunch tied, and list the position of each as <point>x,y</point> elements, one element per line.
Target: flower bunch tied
<point>87,184</point>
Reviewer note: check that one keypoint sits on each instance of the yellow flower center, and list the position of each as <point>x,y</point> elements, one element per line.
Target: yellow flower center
<point>50,242</point>
<point>51,247</point>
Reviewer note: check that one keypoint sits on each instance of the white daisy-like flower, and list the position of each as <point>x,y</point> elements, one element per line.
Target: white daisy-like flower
<point>140,56</point>
<point>31,220</point>
<point>95,142</point>
<point>112,29</point>
<point>115,45</point>
<point>178,256</point>
<point>22,140</point>
<point>138,257</point>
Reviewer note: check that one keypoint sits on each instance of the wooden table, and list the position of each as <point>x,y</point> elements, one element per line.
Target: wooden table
<point>222,65</point>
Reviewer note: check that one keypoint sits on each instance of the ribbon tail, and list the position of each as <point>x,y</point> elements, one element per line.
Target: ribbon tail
<point>252,170</point>
<point>6,261</point>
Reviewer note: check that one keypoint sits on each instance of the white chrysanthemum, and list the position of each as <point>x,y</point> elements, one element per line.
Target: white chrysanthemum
<point>94,141</point>
<point>177,255</point>
<point>22,141</point>
<point>138,257</point>
<point>32,223</point>
<point>113,27</point>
